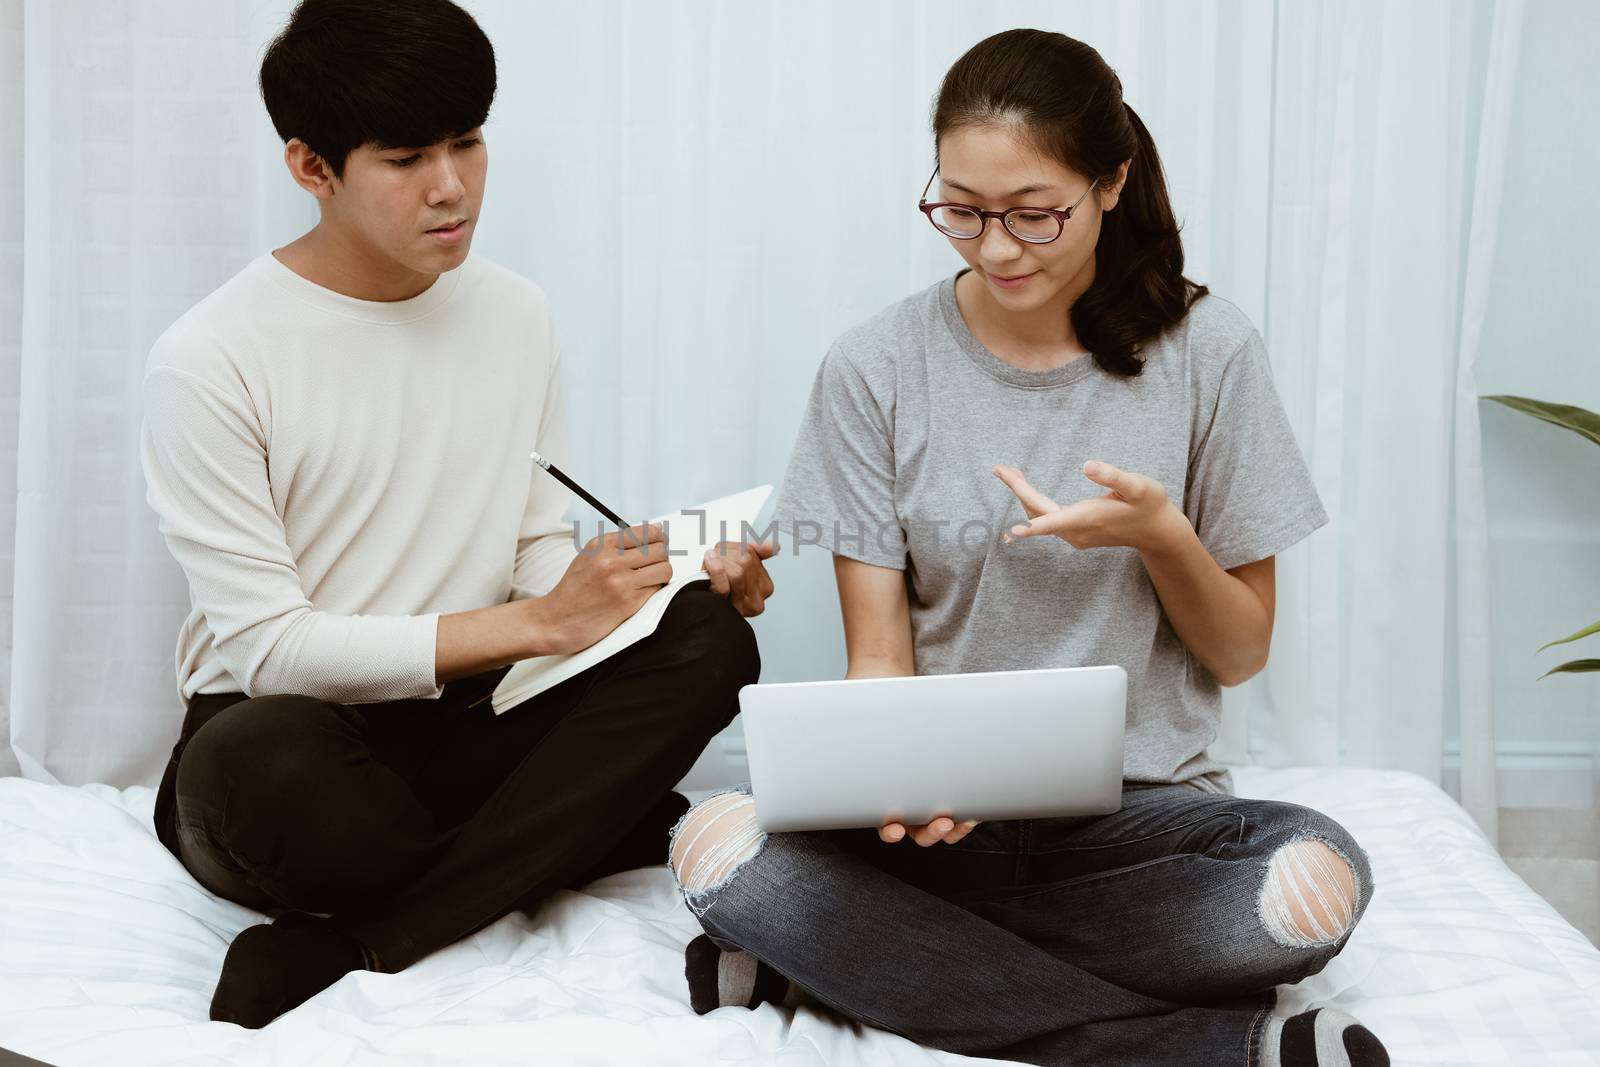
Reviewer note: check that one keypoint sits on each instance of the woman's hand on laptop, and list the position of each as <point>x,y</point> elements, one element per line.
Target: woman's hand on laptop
<point>737,573</point>
<point>944,828</point>
<point>1134,512</point>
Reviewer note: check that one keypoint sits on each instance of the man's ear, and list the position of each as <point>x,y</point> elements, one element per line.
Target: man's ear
<point>308,169</point>
<point>1109,197</point>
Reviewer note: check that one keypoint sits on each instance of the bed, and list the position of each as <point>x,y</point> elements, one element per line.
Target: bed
<point>109,951</point>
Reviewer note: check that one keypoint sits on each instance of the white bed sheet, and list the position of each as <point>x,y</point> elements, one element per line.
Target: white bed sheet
<point>109,952</point>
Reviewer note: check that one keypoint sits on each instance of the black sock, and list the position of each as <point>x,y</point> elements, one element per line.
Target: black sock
<point>271,969</point>
<point>719,979</point>
<point>1323,1037</point>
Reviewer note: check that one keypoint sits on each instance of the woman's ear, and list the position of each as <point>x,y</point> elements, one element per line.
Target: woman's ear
<point>1109,197</point>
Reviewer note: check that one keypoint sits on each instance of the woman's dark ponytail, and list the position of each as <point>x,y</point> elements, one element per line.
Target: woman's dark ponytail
<point>1060,94</point>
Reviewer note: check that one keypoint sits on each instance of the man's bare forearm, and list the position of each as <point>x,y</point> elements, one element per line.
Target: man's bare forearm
<point>471,642</point>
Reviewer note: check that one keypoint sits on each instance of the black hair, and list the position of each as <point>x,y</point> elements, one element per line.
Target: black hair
<point>1062,97</point>
<point>392,73</point>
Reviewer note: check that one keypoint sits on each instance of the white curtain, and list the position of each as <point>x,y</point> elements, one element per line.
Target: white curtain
<point>710,193</point>
<point>1387,151</point>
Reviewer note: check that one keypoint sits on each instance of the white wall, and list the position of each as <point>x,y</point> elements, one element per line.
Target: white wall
<point>10,332</point>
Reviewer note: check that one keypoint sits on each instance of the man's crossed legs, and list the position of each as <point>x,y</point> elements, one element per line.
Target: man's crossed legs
<point>379,833</point>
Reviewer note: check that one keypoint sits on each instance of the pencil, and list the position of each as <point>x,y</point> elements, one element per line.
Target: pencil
<point>580,490</point>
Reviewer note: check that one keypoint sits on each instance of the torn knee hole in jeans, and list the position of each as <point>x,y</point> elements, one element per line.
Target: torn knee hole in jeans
<point>1308,897</point>
<point>711,842</point>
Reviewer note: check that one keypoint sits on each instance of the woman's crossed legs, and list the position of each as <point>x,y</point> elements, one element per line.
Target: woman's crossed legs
<point>1151,935</point>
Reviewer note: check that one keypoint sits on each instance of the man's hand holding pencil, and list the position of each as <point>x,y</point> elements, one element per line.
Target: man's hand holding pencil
<point>608,582</point>
<point>736,568</point>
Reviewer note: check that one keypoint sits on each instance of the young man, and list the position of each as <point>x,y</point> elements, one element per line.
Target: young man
<point>336,444</point>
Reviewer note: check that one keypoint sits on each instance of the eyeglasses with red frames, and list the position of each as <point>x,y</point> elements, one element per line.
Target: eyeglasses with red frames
<point>1035,225</point>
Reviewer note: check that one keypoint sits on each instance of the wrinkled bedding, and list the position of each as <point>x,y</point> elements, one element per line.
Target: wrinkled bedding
<point>109,951</point>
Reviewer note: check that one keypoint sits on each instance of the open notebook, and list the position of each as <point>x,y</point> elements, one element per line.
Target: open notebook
<point>688,537</point>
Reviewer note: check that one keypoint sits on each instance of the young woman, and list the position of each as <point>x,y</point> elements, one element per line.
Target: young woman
<point>1161,479</point>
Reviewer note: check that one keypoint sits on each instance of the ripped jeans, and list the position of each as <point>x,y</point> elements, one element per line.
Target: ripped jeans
<point>1154,935</point>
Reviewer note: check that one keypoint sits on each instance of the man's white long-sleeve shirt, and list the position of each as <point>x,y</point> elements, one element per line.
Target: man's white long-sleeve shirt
<point>333,474</point>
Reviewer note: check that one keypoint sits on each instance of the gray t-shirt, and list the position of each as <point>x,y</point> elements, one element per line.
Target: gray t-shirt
<point>909,412</point>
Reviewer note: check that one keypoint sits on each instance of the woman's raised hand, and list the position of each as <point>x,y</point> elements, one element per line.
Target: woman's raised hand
<point>1134,511</point>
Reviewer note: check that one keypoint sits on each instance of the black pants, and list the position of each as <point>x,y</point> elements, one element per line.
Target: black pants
<point>414,823</point>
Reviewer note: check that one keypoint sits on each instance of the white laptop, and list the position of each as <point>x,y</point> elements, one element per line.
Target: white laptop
<point>995,745</point>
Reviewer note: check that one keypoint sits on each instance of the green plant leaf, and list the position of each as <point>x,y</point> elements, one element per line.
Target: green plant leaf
<point>1579,420</point>
<point>1577,666</point>
<point>1585,632</point>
